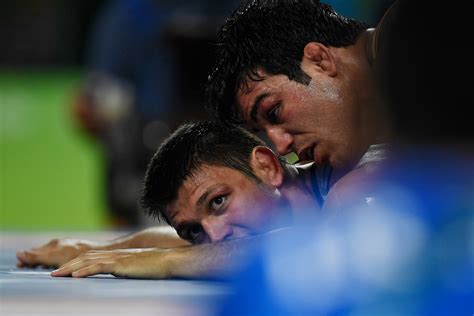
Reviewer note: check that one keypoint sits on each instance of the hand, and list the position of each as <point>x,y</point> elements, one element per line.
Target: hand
<point>131,263</point>
<point>54,253</point>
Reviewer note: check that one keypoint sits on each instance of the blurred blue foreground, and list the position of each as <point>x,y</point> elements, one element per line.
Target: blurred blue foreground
<point>410,251</point>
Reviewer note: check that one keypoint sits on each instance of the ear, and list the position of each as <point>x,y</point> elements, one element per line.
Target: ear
<point>266,166</point>
<point>319,57</point>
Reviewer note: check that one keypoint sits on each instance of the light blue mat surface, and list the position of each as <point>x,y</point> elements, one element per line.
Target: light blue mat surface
<point>35,292</point>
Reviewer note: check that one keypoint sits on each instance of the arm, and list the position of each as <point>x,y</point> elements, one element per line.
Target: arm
<point>198,261</point>
<point>59,251</point>
<point>162,236</point>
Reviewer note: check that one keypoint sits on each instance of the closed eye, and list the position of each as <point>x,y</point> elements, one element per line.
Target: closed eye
<point>273,115</point>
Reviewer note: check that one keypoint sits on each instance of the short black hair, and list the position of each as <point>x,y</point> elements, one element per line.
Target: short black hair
<point>185,151</point>
<point>271,34</point>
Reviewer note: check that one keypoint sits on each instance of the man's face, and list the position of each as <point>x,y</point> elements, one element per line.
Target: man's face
<point>319,121</point>
<point>219,203</point>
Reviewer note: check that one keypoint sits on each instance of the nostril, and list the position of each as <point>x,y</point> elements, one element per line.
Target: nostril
<point>216,229</point>
<point>224,233</point>
<point>229,234</point>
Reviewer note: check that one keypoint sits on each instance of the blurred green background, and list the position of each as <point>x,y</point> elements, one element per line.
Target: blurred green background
<point>49,171</point>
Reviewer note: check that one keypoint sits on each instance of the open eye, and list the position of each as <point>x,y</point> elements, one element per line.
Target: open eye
<point>218,202</point>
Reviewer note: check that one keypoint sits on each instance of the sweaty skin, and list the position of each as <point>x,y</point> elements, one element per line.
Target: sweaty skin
<point>332,120</point>
<point>209,260</point>
<point>226,211</point>
<point>59,251</point>
<point>198,261</point>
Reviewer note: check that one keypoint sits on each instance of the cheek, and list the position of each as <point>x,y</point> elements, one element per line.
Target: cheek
<point>260,212</point>
<point>305,107</point>
<point>324,99</point>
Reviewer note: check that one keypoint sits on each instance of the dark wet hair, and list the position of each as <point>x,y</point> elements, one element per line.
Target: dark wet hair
<point>271,34</point>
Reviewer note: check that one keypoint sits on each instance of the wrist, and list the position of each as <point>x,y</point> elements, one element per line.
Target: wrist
<point>172,263</point>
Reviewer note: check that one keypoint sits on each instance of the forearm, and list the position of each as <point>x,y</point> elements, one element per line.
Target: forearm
<point>161,236</point>
<point>208,260</point>
<point>59,251</point>
<point>216,259</point>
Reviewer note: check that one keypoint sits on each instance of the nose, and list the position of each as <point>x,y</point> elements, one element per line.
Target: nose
<point>280,138</point>
<point>216,228</point>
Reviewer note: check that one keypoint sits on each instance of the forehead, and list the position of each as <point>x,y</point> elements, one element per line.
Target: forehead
<point>252,90</point>
<point>204,175</point>
<point>260,83</point>
<point>203,179</point>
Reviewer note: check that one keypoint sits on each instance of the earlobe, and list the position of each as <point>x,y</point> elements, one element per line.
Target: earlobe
<point>266,166</point>
<point>319,57</point>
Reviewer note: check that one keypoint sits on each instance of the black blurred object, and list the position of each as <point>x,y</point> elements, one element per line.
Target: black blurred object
<point>45,33</point>
<point>427,64</point>
<point>193,52</point>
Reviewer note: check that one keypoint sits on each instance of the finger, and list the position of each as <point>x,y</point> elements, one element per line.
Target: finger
<point>27,258</point>
<point>86,258</point>
<point>20,256</point>
<point>69,267</point>
<point>73,265</point>
<point>33,258</point>
<point>97,268</point>
<point>82,258</point>
<point>63,272</point>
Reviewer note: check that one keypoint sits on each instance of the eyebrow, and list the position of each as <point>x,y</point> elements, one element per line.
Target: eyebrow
<point>204,196</point>
<point>256,106</point>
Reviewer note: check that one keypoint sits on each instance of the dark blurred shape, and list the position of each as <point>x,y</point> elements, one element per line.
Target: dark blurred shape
<point>425,72</point>
<point>44,33</point>
<point>147,61</point>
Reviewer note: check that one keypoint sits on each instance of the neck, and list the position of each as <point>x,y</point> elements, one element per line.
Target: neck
<point>298,191</point>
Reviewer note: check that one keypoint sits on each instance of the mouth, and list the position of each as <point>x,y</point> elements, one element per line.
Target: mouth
<point>307,154</point>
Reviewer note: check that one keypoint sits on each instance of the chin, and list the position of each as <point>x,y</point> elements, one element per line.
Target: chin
<point>343,160</point>
<point>339,164</point>
<point>334,162</point>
